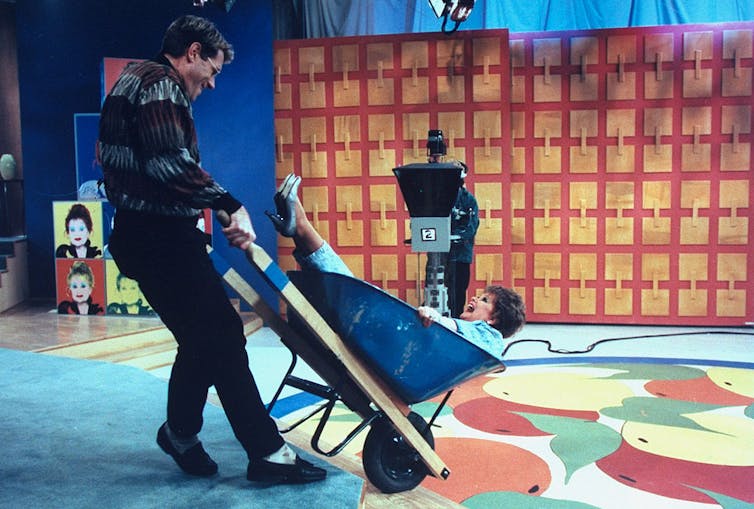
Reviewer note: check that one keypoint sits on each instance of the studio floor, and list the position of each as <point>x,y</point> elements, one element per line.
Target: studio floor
<point>550,366</point>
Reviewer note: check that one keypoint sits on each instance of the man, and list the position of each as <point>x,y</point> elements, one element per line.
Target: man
<point>485,321</point>
<point>148,150</point>
<point>464,222</point>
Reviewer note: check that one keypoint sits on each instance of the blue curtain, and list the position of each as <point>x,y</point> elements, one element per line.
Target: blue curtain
<point>339,18</point>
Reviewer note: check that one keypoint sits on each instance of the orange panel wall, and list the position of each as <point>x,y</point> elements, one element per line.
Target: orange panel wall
<point>612,167</point>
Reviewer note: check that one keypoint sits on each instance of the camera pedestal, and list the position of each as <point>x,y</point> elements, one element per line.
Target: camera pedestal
<point>430,191</point>
<point>435,291</point>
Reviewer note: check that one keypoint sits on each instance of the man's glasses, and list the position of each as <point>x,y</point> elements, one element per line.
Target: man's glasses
<point>214,66</point>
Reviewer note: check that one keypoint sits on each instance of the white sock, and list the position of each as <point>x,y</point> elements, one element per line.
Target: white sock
<point>181,444</point>
<point>285,455</point>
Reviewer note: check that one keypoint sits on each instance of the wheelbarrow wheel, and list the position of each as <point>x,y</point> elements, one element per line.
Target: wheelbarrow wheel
<point>390,464</point>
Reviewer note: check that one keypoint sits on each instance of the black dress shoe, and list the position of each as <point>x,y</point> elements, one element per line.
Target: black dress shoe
<point>194,461</point>
<point>277,473</point>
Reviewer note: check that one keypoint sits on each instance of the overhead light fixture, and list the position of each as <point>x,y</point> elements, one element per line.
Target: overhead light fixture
<point>223,4</point>
<point>457,10</point>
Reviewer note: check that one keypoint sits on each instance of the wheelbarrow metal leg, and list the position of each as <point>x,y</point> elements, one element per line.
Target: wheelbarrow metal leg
<point>439,408</point>
<point>354,432</point>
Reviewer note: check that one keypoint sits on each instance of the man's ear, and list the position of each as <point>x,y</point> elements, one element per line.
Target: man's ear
<point>194,51</point>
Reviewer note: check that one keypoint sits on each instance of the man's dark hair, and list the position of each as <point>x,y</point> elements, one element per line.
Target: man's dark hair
<point>189,29</point>
<point>509,312</point>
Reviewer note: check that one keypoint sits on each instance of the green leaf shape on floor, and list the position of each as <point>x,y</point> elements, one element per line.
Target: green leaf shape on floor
<point>662,411</point>
<point>724,501</point>
<point>577,442</point>
<point>346,417</point>
<point>749,411</point>
<point>427,409</point>
<point>520,501</point>
<point>630,371</point>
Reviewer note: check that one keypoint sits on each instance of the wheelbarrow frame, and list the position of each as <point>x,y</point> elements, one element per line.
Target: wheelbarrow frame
<point>361,387</point>
<point>331,397</point>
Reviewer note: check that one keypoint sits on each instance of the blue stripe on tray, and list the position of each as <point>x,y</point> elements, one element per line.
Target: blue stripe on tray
<point>285,406</point>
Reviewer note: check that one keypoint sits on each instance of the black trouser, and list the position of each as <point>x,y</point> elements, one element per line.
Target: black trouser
<point>168,258</point>
<point>457,275</point>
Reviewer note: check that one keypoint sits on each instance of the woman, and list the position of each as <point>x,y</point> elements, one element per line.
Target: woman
<point>485,321</point>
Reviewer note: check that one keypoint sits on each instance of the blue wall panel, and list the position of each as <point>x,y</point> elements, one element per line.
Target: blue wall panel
<point>60,50</point>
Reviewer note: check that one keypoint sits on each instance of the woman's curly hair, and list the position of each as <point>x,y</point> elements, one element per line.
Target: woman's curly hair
<point>509,312</point>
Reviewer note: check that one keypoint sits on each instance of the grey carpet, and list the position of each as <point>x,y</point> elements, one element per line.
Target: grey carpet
<point>77,433</point>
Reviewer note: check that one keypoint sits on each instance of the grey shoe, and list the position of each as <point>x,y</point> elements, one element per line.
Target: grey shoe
<point>284,217</point>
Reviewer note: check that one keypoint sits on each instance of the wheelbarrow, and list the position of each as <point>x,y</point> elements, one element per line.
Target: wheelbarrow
<point>374,356</point>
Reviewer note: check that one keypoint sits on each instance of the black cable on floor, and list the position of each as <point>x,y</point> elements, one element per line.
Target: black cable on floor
<point>608,340</point>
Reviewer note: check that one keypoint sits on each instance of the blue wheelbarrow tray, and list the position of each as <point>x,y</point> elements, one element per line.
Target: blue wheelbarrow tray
<point>417,362</point>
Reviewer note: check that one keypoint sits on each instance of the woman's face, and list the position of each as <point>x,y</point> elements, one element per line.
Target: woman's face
<point>80,289</point>
<point>479,308</point>
<point>78,233</point>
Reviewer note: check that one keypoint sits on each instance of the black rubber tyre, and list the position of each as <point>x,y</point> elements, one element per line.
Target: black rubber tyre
<point>390,464</point>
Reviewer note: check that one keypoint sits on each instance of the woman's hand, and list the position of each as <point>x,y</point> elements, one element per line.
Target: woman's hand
<point>428,315</point>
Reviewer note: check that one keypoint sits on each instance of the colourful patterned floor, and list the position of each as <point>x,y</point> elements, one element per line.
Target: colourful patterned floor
<point>601,435</point>
<point>596,433</point>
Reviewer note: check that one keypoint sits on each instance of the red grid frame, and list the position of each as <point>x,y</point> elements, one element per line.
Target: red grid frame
<point>507,251</point>
<point>675,252</point>
<point>291,148</point>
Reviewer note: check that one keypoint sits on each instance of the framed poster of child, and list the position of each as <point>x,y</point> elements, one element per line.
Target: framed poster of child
<point>123,294</point>
<point>80,286</point>
<point>78,229</point>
